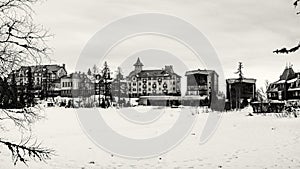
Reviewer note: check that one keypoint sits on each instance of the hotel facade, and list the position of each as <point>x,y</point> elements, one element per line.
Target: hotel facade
<point>153,82</point>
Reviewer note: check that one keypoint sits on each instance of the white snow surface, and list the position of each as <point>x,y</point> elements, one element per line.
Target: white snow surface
<point>240,141</point>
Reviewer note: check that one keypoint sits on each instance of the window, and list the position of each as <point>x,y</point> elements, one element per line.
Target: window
<point>134,84</point>
<point>149,83</point>
<point>149,89</point>
<point>154,85</point>
<point>165,85</point>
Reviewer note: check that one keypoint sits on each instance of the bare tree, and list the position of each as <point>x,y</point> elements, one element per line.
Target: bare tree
<point>295,48</point>
<point>21,42</point>
<point>262,92</point>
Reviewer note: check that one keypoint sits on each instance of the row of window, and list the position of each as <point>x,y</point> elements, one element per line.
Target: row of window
<point>149,83</point>
<point>154,78</point>
<point>67,84</point>
<point>149,89</point>
<point>296,93</point>
<point>295,84</point>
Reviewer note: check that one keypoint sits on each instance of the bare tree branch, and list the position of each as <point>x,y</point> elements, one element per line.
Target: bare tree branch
<point>22,152</point>
<point>292,49</point>
<point>287,51</point>
<point>21,40</point>
<point>22,118</point>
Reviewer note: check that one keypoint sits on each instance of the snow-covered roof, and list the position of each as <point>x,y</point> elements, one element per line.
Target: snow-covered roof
<point>280,81</point>
<point>294,89</point>
<point>244,80</point>
<point>292,80</point>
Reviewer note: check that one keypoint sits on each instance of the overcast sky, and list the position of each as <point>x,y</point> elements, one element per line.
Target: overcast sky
<point>239,30</point>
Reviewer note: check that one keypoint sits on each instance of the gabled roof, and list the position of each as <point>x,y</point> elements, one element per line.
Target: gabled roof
<point>287,74</point>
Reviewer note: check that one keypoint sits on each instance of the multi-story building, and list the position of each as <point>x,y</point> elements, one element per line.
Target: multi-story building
<point>153,82</point>
<point>43,76</point>
<point>202,85</point>
<point>76,85</point>
<point>287,87</point>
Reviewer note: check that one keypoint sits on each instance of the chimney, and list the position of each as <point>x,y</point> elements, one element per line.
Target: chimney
<point>64,65</point>
<point>169,68</point>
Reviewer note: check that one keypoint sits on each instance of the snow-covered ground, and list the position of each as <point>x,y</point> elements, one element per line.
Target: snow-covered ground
<point>240,141</point>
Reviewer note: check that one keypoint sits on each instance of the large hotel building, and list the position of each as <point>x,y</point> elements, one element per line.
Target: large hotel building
<point>153,82</point>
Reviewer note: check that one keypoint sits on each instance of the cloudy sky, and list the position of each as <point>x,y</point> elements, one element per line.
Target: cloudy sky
<point>246,31</point>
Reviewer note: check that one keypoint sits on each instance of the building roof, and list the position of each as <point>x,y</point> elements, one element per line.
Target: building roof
<point>275,89</point>
<point>294,89</point>
<point>167,71</point>
<point>39,68</point>
<point>75,75</point>
<point>199,71</point>
<point>287,74</point>
<point>280,82</point>
<point>292,80</point>
<point>237,80</point>
<point>138,63</point>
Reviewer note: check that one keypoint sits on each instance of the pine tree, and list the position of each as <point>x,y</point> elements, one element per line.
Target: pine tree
<point>95,70</point>
<point>239,71</point>
<point>118,84</point>
<point>89,72</point>
<point>107,86</point>
<point>239,86</point>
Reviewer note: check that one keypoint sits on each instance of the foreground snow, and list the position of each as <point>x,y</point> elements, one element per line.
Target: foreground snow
<point>240,141</point>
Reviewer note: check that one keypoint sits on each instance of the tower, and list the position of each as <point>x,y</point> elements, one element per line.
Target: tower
<point>138,65</point>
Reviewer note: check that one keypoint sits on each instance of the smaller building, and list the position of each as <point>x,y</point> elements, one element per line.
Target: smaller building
<point>287,87</point>
<point>202,87</point>
<point>76,85</point>
<point>240,92</point>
